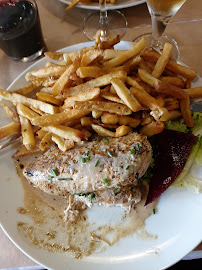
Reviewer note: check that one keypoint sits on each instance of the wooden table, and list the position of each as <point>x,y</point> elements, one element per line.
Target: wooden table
<point>61,28</point>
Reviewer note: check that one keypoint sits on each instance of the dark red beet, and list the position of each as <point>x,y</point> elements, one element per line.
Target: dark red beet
<point>173,150</point>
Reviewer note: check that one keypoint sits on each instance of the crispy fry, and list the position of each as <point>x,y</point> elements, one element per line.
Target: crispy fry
<point>123,130</point>
<point>48,98</point>
<point>10,129</point>
<point>125,56</point>
<point>25,111</point>
<point>103,131</point>
<point>65,132</point>
<point>90,56</point>
<point>54,55</point>
<point>171,66</point>
<point>59,118</point>
<point>171,90</point>
<point>46,72</point>
<point>186,113</point>
<point>146,77</point>
<point>45,141</point>
<point>86,121</point>
<point>98,82</point>
<point>10,112</point>
<point>162,60</point>
<point>129,121</point>
<point>177,81</point>
<point>96,114</point>
<point>195,92</point>
<point>152,128</point>
<point>124,93</point>
<point>17,98</point>
<point>104,106</point>
<point>27,133</point>
<point>83,96</point>
<point>170,115</point>
<point>62,144</point>
<point>109,118</point>
<point>112,97</point>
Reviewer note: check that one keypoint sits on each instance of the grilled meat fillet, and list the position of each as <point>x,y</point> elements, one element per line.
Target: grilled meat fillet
<point>92,166</point>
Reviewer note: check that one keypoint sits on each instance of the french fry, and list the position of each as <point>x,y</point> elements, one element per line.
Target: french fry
<point>29,88</point>
<point>186,112</point>
<point>109,118</point>
<point>46,72</point>
<point>27,133</point>
<point>65,132</point>
<point>17,98</point>
<point>47,90</point>
<point>54,55</point>
<point>103,106</point>
<point>195,92</point>
<point>103,131</point>
<point>96,114</point>
<point>60,118</point>
<point>94,72</point>
<point>26,112</point>
<point>162,60</point>
<point>134,83</point>
<point>123,130</point>
<point>65,78</point>
<point>170,115</point>
<point>90,56</point>
<point>125,56</point>
<point>62,144</point>
<point>171,66</point>
<point>83,96</point>
<point>9,129</point>
<point>112,97</point>
<point>86,121</point>
<point>45,141</point>
<point>124,93</point>
<point>177,81</point>
<point>41,133</point>
<point>110,54</point>
<point>146,77</point>
<point>129,121</point>
<point>171,90</point>
<point>10,112</point>
<point>152,128</point>
<point>48,98</point>
<point>97,82</point>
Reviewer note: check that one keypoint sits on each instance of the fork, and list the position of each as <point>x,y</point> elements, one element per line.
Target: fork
<point>7,141</point>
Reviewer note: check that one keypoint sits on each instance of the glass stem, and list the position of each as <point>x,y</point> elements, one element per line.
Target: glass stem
<point>103,19</point>
<point>158,28</point>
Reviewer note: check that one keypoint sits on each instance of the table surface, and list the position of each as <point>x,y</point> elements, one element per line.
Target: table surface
<point>61,28</point>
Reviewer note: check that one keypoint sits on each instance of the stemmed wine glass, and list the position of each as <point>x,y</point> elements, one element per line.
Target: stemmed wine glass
<point>107,23</point>
<point>161,11</point>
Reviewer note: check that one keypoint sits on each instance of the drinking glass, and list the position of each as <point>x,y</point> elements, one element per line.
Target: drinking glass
<point>107,23</point>
<point>161,11</point>
<point>20,30</point>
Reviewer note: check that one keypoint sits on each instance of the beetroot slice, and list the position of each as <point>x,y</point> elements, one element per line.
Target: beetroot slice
<point>173,149</point>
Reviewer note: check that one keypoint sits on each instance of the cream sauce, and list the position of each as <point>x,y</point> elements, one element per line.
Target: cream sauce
<point>51,231</point>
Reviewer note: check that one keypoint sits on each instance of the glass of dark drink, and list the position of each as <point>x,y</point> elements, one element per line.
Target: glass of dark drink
<point>20,30</point>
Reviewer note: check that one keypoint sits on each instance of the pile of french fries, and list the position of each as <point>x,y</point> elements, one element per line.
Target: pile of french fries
<point>99,91</point>
<point>75,2</point>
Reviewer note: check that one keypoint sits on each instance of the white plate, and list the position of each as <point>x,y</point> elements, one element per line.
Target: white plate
<point>177,221</point>
<point>119,4</point>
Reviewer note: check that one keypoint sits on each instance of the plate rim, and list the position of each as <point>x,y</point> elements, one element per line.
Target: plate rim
<point>109,6</point>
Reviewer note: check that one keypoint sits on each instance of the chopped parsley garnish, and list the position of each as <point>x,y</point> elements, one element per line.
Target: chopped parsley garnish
<point>110,153</point>
<point>154,211</point>
<point>86,154</point>
<point>65,179</point>
<point>127,167</point>
<point>106,181</point>
<point>98,137</point>
<point>116,193</point>
<point>92,196</point>
<point>54,172</point>
<point>107,140</point>
<point>97,162</point>
<point>132,151</point>
<point>117,186</point>
<point>50,177</point>
<point>83,160</point>
<point>89,157</point>
<point>138,146</point>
